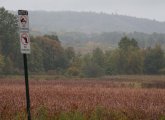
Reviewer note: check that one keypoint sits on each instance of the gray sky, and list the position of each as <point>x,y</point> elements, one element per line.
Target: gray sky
<point>152,9</point>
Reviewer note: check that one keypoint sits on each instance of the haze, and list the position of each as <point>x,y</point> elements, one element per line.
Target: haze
<point>152,9</point>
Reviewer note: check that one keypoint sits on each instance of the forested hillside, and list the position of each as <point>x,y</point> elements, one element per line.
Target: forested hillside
<point>48,56</point>
<point>88,30</point>
<point>90,22</point>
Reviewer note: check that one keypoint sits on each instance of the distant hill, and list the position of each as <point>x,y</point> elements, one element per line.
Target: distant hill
<point>90,22</point>
<point>87,30</point>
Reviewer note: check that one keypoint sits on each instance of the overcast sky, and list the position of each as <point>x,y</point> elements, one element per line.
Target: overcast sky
<point>152,9</point>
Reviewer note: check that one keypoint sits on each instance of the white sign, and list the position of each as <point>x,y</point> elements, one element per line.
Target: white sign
<point>24,31</point>
<point>23,20</point>
<point>25,42</point>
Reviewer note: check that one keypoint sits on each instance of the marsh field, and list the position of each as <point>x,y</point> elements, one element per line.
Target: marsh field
<point>106,98</point>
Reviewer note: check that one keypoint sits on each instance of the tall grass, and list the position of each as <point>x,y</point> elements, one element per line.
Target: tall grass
<point>81,100</point>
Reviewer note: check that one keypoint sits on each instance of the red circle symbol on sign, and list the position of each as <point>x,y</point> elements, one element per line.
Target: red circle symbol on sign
<point>24,39</point>
<point>23,20</point>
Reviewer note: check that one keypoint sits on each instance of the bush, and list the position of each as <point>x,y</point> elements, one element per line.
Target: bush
<point>73,71</point>
<point>93,70</point>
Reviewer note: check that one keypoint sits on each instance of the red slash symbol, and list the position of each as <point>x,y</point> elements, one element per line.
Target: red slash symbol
<point>24,39</point>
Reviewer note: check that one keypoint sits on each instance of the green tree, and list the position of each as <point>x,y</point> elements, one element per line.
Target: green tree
<point>35,59</point>
<point>8,32</point>
<point>154,60</point>
<point>127,59</point>
<point>52,53</point>
<point>8,66</point>
<point>93,65</point>
<point>75,66</point>
<point>134,62</point>
<point>125,43</point>
<point>70,54</point>
<point>1,62</point>
<point>8,39</point>
<point>90,68</point>
<point>113,63</point>
<point>98,57</point>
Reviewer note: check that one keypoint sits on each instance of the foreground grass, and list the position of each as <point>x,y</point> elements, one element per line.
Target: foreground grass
<point>98,114</point>
<point>111,98</point>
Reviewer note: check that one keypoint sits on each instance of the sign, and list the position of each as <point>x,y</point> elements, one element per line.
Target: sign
<point>25,42</point>
<point>25,49</point>
<point>23,20</point>
<point>24,31</point>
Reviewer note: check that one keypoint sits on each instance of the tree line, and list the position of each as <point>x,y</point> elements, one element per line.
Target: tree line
<point>48,56</point>
<point>84,42</point>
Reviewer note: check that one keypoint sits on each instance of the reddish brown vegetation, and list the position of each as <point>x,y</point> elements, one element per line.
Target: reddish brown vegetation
<point>84,95</point>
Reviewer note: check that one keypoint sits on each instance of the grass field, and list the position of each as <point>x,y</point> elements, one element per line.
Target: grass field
<point>106,98</point>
